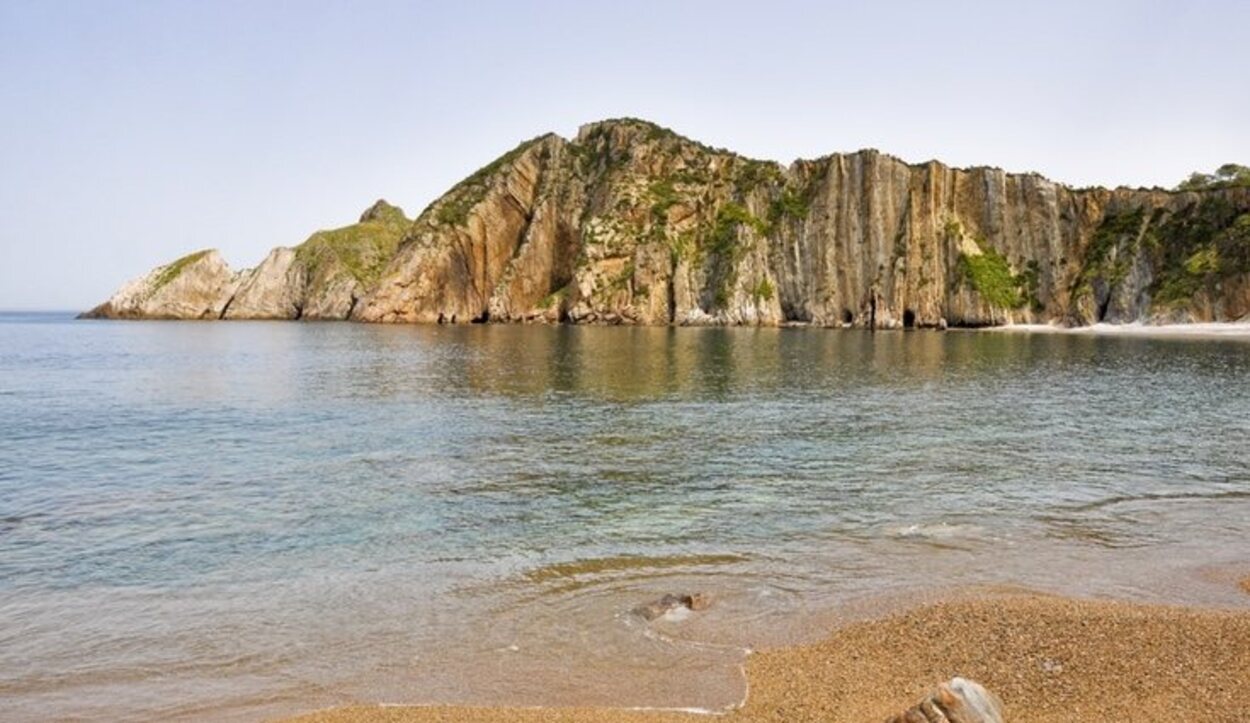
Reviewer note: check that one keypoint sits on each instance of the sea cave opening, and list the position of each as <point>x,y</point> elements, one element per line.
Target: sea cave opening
<point>909,319</point>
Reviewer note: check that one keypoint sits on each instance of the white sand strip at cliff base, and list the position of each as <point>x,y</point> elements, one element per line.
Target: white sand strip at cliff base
<point>1212,329</point>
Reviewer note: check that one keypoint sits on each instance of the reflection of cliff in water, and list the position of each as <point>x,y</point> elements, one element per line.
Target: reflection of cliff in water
<point>643,363</point>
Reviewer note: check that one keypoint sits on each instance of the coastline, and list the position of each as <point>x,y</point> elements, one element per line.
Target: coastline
<point>1215,329</point>
<point>1048,658</point>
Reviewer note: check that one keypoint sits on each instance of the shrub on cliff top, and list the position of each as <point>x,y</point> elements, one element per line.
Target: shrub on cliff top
<point>1229,175</point>
<point>173,270</point>
<point>362,249</point>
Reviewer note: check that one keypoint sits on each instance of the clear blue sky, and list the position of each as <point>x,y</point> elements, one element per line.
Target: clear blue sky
<point>133,132</point>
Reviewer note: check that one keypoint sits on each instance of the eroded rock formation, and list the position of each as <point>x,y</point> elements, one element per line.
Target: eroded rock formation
<point>632,223</point>
<point>196,286</point>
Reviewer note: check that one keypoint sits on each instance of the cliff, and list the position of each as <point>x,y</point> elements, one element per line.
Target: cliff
<point>322,278</point>
<point>196,286</point>
<point>632,223</point>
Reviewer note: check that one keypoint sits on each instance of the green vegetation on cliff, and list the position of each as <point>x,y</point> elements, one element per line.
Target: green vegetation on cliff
<point>727,247</point>
<point>751,174</point>
<point>1190,250</point>
<point>1112,250</point>
<point>989,274</point>
<point>1197,248</point>
<point>629,208</point>
<point>665,197</point>
<point>1229,175</point>
<point>790,205</point>
<point>763,291</point>
<point>362,249</point>
<point>455,205</point>
<point>729,218</point>
<point>173,270</point>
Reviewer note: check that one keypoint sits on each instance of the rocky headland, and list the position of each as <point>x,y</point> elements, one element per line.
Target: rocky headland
<point>632,223</point>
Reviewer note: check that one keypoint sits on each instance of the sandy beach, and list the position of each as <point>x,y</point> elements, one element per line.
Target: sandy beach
<point>1211,330</point>
<point>1049,659</point>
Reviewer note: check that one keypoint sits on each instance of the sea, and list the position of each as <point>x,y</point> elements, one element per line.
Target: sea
<point>246,520</point>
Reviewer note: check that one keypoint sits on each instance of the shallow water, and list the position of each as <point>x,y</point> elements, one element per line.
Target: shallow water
<point>238,520</point>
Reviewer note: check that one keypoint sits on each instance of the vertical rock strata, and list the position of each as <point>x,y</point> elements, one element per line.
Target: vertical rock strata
<point>631,223</point>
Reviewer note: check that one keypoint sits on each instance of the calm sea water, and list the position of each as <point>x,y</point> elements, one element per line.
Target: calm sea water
<point>240,520</point>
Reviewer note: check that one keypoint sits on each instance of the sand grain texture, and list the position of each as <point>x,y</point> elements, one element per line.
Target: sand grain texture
<point>1048,659</point>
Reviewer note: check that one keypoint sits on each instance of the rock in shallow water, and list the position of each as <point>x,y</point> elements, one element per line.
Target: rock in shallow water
<point>670,603</point>
<point>958,701</point>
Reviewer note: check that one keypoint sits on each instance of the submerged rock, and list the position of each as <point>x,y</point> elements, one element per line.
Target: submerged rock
<point>697,602</point>
<point>957,701</point>
<point>671,603</point>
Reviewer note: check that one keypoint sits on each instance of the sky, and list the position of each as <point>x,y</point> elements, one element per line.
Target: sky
<point>135,132</point>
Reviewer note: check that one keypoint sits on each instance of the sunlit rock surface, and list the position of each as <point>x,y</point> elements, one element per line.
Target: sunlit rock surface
<point>630,223</point>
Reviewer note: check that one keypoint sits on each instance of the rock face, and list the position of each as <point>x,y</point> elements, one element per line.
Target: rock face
<point>272,290</point>
<point>196,286</point>
<point>958,701</point>
<point>632,223</point>
<point>326,276</point>
<point>322,278</point>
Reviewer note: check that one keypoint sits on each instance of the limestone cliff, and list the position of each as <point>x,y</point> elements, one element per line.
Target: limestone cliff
<point>632,223</point>
<point>196,286</point>
<point>324,277</point>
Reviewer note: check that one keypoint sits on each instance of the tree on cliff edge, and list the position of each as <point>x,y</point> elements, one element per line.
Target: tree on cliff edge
<point>1229,175</point>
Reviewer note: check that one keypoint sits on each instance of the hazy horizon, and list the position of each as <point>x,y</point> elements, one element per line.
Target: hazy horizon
<point>140,132</point>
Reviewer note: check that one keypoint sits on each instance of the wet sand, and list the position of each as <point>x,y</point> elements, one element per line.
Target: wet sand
<point>1049,659</point>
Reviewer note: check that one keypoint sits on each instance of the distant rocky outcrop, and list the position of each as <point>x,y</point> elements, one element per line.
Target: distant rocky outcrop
<point>324,277</point>
<point>196,286</point>
<point>632,223</point>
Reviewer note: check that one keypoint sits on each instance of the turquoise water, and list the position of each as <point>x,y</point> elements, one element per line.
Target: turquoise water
<point>239,520</point>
